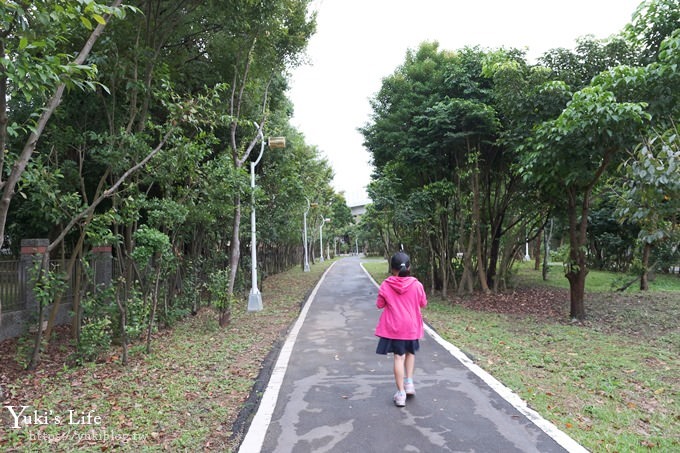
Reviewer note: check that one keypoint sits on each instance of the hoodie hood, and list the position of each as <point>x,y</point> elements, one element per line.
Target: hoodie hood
<point>400,284</point>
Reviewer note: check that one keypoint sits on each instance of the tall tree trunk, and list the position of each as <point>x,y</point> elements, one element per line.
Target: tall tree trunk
<point>476,214</point>
<point>225,314</point>
<point>494,253</point>
<point>452,273</point>
<point>122,310</point>
<point>537,250</point>
<point>578,235</point>
<point>443,259</point>
<point>577,269</point>
<point>577,288</point>
<point>37,345</point>
<point>443,254</point>
<point>51,321</point>
<point>644,278</point>
<point>546,249</point>
<point>467,281</point>
<point>154,305</point>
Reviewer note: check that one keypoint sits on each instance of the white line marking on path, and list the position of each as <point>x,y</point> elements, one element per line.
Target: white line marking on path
<point>508,395</point>
<point>257,430</point>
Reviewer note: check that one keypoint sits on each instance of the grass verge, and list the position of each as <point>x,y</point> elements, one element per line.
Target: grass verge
<point>597,281</point>
<point>185,396</point>
<point>612,383</point>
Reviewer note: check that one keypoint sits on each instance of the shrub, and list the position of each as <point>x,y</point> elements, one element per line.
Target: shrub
<point>218,287</point>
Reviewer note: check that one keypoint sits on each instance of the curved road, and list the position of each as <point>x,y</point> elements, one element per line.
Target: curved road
<point>330,391</point>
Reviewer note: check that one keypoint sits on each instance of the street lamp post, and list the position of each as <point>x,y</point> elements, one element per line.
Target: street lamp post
<point>304,217</point>
<point>255,297</point>
<point>526,253</point>
<point>323,221</point>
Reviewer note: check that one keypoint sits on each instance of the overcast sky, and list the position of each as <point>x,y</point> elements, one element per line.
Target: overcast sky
<point>359,42</point>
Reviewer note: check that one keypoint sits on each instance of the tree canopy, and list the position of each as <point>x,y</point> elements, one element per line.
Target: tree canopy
<point>475,150</point>
<point>124,124</point>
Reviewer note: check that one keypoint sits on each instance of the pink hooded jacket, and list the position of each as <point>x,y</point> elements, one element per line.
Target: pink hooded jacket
<point>401,299</point>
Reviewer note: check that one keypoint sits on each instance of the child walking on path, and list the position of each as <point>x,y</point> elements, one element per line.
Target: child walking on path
<point>400,326</point>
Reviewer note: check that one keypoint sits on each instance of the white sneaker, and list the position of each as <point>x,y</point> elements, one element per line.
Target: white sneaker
<point>409,388</point>
<point>400,399</point>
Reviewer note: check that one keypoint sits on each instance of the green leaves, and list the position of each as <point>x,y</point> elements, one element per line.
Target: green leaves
<point>591,128</point>
<point>148,243</point>
<point>651,195</point>
<point>37,44</point>
<point>99,19</point>
<point>652,23</point>
<point>86,22</point>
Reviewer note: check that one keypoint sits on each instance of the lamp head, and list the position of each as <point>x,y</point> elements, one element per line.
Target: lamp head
<point>276,142</point>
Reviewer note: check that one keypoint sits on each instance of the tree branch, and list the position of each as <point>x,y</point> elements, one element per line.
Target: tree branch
<point>21,163</point>
<point>107,193</point>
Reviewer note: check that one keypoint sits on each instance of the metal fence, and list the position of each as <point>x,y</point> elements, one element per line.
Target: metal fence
<point>10,286</point>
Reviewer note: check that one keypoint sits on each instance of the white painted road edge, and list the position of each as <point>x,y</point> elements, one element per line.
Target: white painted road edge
<point>257,430</point>
<point>508,395</point>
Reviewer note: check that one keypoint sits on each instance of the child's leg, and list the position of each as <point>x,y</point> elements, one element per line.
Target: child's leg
<point>410,364</point>
<point>399,371</point>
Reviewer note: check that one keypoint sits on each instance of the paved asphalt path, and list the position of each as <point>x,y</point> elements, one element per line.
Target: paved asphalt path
<point>330,391</point>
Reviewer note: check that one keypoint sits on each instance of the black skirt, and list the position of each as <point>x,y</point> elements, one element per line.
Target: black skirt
<point>398,347</point>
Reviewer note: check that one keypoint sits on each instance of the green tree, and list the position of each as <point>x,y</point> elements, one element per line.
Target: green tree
<point>451,125</point>
<point>649,168</point>
<point>37,70</point>
<point>571,154</point>
<point>152,251</point>
<point>160,139</point>
<point>156,67</point>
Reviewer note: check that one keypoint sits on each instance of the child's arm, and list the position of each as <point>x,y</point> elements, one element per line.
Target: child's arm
<point>380,302</point>
<point>423,297</point>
